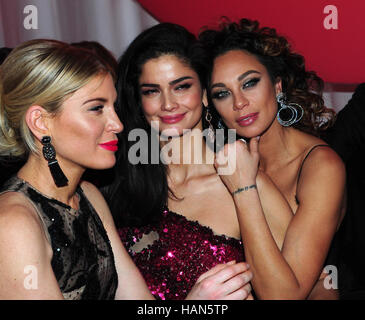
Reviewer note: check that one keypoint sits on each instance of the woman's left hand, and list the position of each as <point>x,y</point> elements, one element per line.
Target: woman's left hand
<point>237,163</point>
<point>228,281</point>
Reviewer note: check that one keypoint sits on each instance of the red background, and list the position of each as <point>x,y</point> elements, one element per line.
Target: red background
<point>338,56</point>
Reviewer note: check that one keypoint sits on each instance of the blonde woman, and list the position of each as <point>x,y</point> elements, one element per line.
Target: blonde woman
<point>57,236</point>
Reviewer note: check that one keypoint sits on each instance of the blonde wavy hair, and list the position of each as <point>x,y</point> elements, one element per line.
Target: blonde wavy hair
<point>39,72</point>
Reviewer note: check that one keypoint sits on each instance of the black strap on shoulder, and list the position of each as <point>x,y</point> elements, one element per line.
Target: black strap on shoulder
<point>306,156</point>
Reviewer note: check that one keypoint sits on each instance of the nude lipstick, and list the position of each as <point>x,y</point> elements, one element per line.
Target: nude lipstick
<point>171,119</point>
<point>247,119</point>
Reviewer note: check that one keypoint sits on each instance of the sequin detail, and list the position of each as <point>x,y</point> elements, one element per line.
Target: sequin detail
<point>173,253</point>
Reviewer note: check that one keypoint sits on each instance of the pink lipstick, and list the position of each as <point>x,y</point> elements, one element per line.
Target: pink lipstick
<point>173,118</point>
<point>247,119</point>
<point>110,145</point>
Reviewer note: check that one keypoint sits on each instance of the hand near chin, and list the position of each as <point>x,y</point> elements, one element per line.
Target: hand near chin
<point>230,281</point>
<point>240,162</point>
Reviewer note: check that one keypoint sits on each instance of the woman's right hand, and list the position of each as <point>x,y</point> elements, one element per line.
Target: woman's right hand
<point>230,281</point>
<point>237,163</point>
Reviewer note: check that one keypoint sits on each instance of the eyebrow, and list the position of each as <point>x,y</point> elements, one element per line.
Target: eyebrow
<point>179,80</point>
<point>171,83</point>
<point>242,76</point>
<point>95,99</point>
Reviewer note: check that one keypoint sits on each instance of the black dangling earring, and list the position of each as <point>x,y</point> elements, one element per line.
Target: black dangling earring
<point>49,153</point>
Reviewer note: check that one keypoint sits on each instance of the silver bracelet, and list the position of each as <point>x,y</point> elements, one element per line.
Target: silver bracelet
<point>253,186</point>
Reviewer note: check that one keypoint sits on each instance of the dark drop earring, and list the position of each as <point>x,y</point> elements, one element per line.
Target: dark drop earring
<point>49,153</point>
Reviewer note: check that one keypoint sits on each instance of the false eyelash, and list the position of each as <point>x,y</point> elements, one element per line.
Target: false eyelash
<point>96,108</point>
<point>251,83</point>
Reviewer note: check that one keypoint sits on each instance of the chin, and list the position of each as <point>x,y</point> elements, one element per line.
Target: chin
<point>172,132</point>
<point>248,133</point>
<point>103,165</point>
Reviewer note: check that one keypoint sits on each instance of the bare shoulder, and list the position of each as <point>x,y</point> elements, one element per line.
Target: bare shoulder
<point>318,155</point>
<point>323,158</point>
<point>21,229</point>
<point>16,210</point>
<point>23,245</point>
<point>323,173</point>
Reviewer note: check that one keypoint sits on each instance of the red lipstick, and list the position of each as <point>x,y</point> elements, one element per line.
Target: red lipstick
<point>172,118</point>
<point>110,145</point>
<point>247,119</point>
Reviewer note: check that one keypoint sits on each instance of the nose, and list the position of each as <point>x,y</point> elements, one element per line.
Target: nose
<point>240,101</point>
<point>114,124</point>
<point>169,103</point>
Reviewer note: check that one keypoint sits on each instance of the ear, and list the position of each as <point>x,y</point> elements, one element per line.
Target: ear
<point>205,97</point>
<point>37,120</point>
<point>278,86</point>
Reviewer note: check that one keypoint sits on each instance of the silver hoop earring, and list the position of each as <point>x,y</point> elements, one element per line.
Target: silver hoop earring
<point>288,113</point>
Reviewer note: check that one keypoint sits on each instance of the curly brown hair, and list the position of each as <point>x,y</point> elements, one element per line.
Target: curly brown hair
<point>274,52</point>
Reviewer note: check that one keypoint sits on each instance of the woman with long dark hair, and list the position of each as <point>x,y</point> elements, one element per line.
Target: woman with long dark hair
<point>175,215</point>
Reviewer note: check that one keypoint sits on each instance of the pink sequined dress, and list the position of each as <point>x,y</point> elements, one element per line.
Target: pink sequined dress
<point>172,254</point>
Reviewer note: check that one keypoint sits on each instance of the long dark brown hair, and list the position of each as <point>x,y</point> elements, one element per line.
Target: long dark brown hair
<point>139,192</point>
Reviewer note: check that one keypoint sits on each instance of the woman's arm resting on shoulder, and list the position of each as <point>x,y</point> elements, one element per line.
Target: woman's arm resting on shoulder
<point>25,255</point>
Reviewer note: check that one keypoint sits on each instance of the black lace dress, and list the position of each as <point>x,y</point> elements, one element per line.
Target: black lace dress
<point>82,261</point>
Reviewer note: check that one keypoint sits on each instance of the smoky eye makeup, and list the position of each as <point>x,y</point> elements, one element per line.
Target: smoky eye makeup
<point>220,94</point>
<point>251,82</point>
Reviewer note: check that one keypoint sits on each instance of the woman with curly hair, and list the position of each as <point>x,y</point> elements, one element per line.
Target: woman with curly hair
<point>260,88</point>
